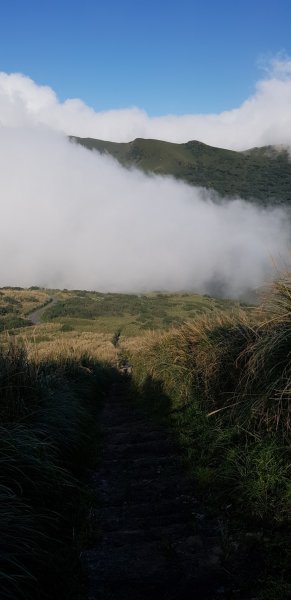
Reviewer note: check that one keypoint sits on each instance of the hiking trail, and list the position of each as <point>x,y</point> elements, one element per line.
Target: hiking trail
<point>154,540</point>
<point>36,315</point>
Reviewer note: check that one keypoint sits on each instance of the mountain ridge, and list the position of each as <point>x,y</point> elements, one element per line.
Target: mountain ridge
<point>261,174</point>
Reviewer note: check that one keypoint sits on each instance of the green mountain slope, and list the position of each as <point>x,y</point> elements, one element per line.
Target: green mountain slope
<point>262,174</point>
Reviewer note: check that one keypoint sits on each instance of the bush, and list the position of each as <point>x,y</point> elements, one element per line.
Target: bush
<point>66,327</point>
<point>10,322</point>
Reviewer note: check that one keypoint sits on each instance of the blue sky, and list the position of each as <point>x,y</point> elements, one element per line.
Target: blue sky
<point>163,56</point>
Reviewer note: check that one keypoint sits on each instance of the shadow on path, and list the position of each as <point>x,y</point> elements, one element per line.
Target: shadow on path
<point>154,541</point>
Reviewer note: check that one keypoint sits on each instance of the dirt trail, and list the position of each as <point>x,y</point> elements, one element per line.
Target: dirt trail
<point>35,316</point>
<point>154,541</point>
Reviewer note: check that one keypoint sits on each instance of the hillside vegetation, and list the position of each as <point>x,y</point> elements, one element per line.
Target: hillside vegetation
<point>131,313</point>
<point>84,321</point>
<point>223,382</point>
<point>17,303</point>
<point>262,174</point>
<point>217,374</point>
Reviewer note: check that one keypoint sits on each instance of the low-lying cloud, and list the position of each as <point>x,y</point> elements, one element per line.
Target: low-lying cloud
<point>72,218</point>
<point>263,118</point>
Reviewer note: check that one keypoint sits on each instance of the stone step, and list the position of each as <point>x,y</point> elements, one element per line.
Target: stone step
<point>153,448</point>
<point>145,490</point>
<point>152,541</point>
<point>132,567</point>
<point>109,520</point>
<point>118,419</point>
<point>140,461</point>
<point>169,534</point>
<point>133,436</point>
<point>134,429</point>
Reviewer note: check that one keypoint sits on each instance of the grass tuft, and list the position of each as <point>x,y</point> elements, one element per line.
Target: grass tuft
<point>48,439</point>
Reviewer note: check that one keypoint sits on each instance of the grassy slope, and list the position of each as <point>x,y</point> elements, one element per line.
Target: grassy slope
<point>86,321</point>
<point>17,303</point>
<point>260,173</point>
<point>131,313</point>
<point>95,313</point>
<point>239,456</point>
<point>226,379</point>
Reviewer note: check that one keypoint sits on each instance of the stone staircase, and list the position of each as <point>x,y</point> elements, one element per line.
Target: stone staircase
<point>154,540</point>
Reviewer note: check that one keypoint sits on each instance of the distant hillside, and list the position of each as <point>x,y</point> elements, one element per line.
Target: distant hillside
<point>263,173</point>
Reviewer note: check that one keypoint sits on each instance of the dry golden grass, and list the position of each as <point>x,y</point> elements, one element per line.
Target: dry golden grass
<point>238,361</point>
<point>194,354</point>
<point>48,342</point>
<point>30,300</point>
<point>267,380</point>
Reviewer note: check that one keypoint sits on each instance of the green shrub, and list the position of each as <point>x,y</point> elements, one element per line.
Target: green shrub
<point>66,327</point>
<point>11,322</point>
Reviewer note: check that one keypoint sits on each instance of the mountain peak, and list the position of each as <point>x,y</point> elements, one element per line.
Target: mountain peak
<point>258,174</point>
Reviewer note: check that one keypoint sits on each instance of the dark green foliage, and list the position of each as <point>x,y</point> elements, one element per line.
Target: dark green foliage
<point>5,310</point>
<point>263,173</point>
<point>93,305</point>
<point>11,301</point>
<point>11,307</point>
<point>130,312</point>
<point>11,311</point>
<point>13,287</point>
<point>11,322</point>
<point>67,327</point>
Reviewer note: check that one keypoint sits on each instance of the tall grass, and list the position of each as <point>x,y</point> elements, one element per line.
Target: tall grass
<point>48,434</point>
<point>226,383</point>
<point>234,362</point>
<point>199,360</point>
<point>266,385</point>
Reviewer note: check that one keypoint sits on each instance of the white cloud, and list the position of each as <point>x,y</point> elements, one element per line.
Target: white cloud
<point>264,118</point>
<point>76,219</point>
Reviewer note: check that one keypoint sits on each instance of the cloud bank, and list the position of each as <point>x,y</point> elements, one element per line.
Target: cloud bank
<point>264,118</point>
<point>76,219</point>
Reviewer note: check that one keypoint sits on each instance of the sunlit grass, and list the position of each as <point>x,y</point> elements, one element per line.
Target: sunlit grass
<point>225,379</point>
<point>25,300</point>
